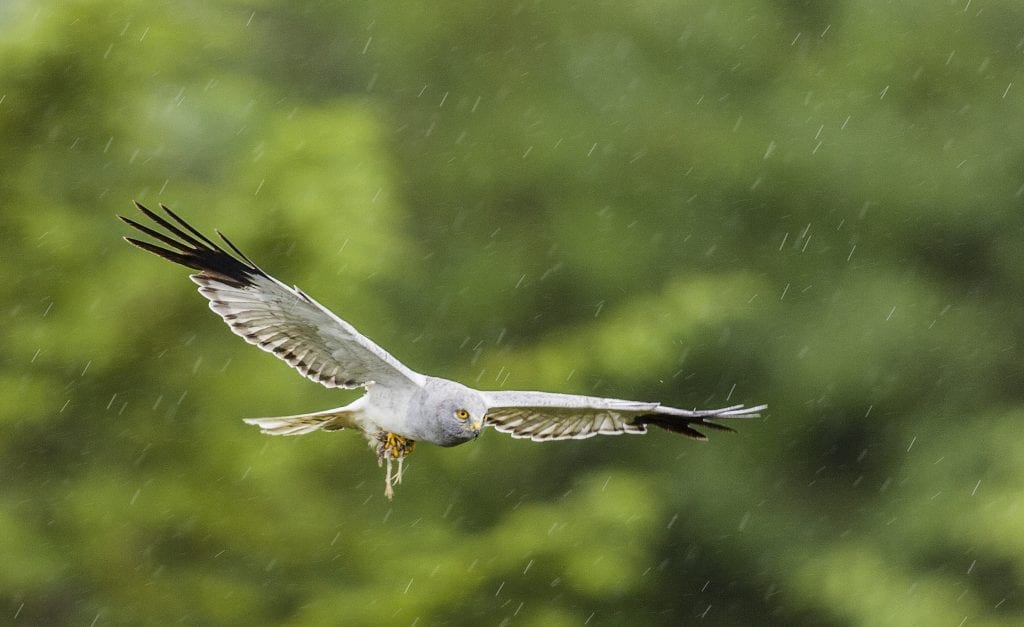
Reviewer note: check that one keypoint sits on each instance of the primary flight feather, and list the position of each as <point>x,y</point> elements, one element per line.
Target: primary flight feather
<point>400,406</point>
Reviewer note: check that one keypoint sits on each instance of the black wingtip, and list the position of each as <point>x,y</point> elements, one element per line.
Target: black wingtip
<point>189,227</point>
<point>234,248</point>
<point>145,210</point>
<point>196,250</point>
<point>716,426</point>
<point>688,425</point>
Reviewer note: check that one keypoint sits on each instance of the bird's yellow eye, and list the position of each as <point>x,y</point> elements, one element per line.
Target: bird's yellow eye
<point>462,414</point>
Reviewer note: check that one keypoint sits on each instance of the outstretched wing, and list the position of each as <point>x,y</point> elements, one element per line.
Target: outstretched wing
<point>543,416</point>
<point>279,319</point>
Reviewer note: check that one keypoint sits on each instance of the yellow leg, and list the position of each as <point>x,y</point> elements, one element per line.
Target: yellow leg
<point>399,446</point>
<point>392,447</point>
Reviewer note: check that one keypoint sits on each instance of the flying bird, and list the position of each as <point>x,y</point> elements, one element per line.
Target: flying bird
<point>400,406</point>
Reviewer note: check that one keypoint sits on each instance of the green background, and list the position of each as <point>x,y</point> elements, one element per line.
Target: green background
<point>816,205</point>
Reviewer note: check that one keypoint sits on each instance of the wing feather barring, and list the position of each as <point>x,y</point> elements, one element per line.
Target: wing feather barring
<point>400,406</point>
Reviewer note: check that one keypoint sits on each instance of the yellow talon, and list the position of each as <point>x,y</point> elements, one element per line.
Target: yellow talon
<point>399,448</point>
<point>397,445</point>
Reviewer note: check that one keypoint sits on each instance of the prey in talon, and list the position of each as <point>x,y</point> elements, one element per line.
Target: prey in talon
<point>288,323</point>
<point>392,447</point>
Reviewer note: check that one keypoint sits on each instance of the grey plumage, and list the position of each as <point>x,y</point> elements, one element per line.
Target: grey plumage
<point>400,406</point>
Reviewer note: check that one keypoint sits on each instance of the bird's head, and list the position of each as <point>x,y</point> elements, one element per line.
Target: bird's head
<point>451,412</point>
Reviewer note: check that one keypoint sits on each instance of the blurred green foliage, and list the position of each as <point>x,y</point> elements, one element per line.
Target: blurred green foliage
<point>811,204</point>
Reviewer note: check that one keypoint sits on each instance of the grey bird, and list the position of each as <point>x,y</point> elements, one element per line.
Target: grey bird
<point>400,406</point>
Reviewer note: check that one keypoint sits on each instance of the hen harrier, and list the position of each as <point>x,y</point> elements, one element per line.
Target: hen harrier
<point>400,406</point>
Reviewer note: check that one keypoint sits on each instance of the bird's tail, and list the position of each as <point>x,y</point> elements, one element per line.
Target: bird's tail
<point>301,424</point>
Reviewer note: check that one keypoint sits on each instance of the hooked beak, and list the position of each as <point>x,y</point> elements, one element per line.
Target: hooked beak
<point>478,425</point>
